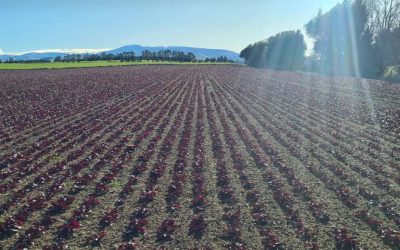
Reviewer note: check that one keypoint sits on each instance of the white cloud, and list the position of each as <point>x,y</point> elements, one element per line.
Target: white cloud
<point>1,51</point>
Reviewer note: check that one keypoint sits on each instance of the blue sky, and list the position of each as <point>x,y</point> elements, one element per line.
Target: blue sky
<point>27,25</point>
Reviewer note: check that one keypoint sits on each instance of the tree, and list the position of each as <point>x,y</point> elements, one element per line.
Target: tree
<point>255,55</point>
<point>191,57</point>
<point>384,15</point>
<point>384,23</point>
<point>124,56</point>
<point>168,54</point>
<point>147,55</point>
<point>365,52</point>
<point>284,51</point>
<point>387,47</point>
<point>343,39</point>
<point>58,59</point>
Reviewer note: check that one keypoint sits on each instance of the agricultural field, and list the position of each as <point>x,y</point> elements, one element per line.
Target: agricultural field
<point>91,64</point>
<point>197,157</point>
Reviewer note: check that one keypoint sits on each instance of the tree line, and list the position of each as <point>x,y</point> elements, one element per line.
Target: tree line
<point>220,59</point>
<point>355,38</point>
<point>160,56</point>
<point>12,60</point>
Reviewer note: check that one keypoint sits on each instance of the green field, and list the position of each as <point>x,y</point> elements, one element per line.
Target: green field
<point>84,64</point>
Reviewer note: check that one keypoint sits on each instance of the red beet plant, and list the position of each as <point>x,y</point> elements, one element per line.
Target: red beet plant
<point>128,246</point>
<point>96,239</point>
<point>197,226</point>
<point>391,236</point>
<point>136,227</point>
<point>101,189</point>
<point>344,240</point>
<point>35,204</point>
<point>110,217</point>
<point>166,230</point>
<point>30,234</point>
<point>9,226</point>
<point>66,230</point>
<point>252,197</point>
<point>147,196</point>
<point>89,203</point>
<point>270,240</point>
<point>62,204</point>
<point>226,195</point>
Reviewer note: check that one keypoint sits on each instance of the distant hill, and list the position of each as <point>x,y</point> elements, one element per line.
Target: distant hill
<point>32,56</point>
<point>201,53</point>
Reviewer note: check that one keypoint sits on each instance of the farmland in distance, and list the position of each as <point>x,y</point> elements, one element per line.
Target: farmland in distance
<point>189,156</point>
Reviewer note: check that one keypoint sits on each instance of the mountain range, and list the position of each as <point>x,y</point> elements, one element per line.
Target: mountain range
<point>200,53</point>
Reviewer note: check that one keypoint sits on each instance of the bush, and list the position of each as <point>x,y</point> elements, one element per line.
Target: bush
<point>392,73</point>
